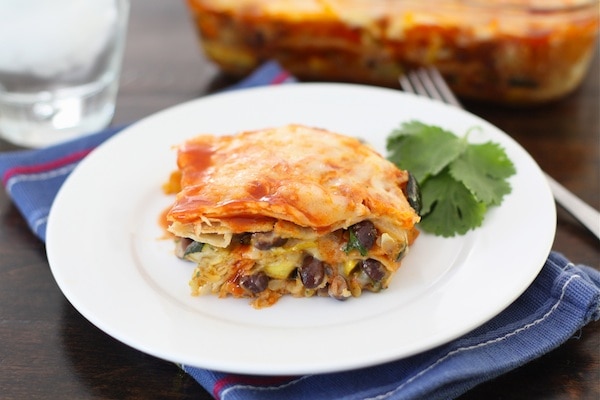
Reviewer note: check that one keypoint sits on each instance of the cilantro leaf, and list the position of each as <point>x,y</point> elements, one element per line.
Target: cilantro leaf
<point>354,244</point>
<point>424,150</point>
<point>482,168</point>
<point>458,180</point>
<point>449,208</point>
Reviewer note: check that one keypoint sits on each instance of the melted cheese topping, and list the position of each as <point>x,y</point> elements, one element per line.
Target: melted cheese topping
<point>294,180</point>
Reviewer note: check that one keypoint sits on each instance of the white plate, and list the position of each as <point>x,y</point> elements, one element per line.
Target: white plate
<point>106,253</point>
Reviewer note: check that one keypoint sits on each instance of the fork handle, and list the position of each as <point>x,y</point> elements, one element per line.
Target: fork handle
<point>585,213</point>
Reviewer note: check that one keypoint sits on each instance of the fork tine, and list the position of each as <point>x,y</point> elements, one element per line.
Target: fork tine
<point>418,82</point>
<point>447,94</point>
<point>412,83</point>
<point>430,85</point>
<point>406,85</point>
<point>428,82</point>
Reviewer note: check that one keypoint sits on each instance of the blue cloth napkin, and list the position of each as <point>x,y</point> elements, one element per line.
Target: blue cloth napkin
<point>562,299</point>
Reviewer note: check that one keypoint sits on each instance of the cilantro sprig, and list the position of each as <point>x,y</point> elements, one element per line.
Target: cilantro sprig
<point>459,180</point>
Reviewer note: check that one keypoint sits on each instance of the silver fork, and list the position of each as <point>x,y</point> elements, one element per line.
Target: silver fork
<point>428,82</point>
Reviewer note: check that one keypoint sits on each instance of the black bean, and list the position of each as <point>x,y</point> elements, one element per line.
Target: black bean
<point>243,238</point>
<point>312,272</point>
<point>255,283</point>
<point>373,268</point>
<point>267,240</point>
<point>413,193</point>
<point>365,233</point>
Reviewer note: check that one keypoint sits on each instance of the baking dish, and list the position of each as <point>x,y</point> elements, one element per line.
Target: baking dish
<point>515,52</point>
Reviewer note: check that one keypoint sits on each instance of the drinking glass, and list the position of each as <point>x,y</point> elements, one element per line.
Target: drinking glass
<point>60,62</point>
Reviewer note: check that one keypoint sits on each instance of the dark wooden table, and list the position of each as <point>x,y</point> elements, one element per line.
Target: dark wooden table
<point>48,350</point>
